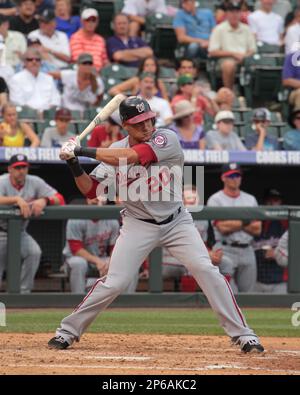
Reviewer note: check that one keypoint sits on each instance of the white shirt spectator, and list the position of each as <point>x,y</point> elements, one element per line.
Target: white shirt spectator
<point>38,92</point>
<point>267,27</point>
<point>72,97</point>
<point>280,7</point>
<point>15,46</point>
<point>57,42</point>
<point>163,110</point>
<point>292,36</point>
<point>143,7</point>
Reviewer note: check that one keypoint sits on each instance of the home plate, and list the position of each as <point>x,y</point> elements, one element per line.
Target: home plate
<point>118,358</point>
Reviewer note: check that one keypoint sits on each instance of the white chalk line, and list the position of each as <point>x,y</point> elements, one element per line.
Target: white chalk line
<point>183,369</point>
<point>123,358</point>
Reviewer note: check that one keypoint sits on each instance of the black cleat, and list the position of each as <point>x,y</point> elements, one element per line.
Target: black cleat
<point>248,343</point>
<point>58,343</point>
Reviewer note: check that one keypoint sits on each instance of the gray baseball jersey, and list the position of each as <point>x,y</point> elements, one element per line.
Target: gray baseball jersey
<point>34,188</point>
<point>220,199</point>
<point>282,250</point>
<point>96,236</point>
<point>164,177</point>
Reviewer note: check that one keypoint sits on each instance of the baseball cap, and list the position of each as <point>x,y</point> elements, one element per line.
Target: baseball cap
<point>224,115</point>
<point>32,41</point>
<point>272,193</point>
<point>88,12</point>
<point>18,160</point>
<point>261,114</point>
<point>233,6</point>
<point>47,15</point>
<point>63,113</point>
<point>85,57</point>
<point>230,168</point>
<point>185,79</point>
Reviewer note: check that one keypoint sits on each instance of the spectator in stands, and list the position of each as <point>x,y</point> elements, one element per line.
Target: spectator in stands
<point>82,87</point>
<point>65,21</point>
<point>86,40</point>
<point>291,139</point>
<point>270,275</point>
<point>25,21</point>
<point>8,8</point>
<point>158,105</point>
<point>291,75</point>
<point>259,140</point>
<point>31,87</point>
<point>236,236</point>
<point>13,133</point>
<point>124,49</point>
<point>54,42</point>
<point>15,42</point>
<point>224,136</point>
<point>280,7</point>
<point>31,194</point>
<point>290,18</point>
<point>222,8</point>
<point>106,134</point>
<point>267,26</point>
<point>187,66</point>
<point>3,92</point>
<point>187,90</point>
<point>132,85</point>
<point>190,135</point>
<point>293,33</point>
<point>55,136</point>
<point>42,5</point>
<point>137,10</point>
<point>89,244</point>
<point>225,99</point>
<point>193,27</point>
<point>231,41</point>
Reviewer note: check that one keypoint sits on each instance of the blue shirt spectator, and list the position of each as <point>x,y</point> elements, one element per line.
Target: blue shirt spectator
<point>291,139</point>
<point>122,48</point>
<point>193,27</point>
<point>270,143</point>
<point>68,26</point>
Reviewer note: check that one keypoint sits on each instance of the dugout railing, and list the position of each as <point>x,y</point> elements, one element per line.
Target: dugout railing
<point>13,267</point>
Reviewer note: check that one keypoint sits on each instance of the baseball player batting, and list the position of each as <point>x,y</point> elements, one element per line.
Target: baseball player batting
<point>146,225</point>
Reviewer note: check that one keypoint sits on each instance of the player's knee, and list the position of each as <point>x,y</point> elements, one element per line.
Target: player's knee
<point>78,265</point>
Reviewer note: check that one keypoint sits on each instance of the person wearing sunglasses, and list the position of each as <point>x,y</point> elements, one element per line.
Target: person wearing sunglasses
<point>291,139</point>
<point>86,40</point>
<point>31,87</point>
<point>223,137</point>
<point>236,236</point>
<point>55,44</point>
<point>258,139</point>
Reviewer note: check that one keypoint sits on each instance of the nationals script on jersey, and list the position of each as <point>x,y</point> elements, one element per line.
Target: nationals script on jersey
<point>153,189</point>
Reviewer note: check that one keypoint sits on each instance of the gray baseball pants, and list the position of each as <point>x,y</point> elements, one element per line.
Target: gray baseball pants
<point>184,242</point>
<point>30,259</point>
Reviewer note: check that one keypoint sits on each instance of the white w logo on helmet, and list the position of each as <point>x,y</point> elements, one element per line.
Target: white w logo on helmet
<point>140,107</point>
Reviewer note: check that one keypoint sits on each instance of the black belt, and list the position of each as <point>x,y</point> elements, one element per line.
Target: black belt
<point>235,244</point>
<point>166,221</point>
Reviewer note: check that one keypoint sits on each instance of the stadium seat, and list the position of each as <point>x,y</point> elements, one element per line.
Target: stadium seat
<point>264,48</point>
<point>26,113</point>
<point>115,73</point>
<point>118,6</point>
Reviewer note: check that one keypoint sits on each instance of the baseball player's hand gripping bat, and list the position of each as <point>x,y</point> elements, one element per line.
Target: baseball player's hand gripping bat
<point>106,111</point>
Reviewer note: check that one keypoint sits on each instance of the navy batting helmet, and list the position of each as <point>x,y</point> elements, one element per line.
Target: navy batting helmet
<point>135,109</point>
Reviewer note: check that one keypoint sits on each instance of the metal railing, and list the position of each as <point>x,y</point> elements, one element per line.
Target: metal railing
<point>12,215</point>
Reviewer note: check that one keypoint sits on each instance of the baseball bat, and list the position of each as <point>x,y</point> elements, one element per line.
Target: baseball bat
<point>106,111</point>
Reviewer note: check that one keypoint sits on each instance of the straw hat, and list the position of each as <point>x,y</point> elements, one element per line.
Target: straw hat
<point>182,109</point>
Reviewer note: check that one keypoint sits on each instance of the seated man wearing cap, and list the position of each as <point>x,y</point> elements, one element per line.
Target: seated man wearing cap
<point>236,236</point>
<point>258,139</point>
<point>86,40</point>
<point>224,137</point>
<point>25,21</point>
<point>124,49</point>
<point>31,194</point>
<point>55,136</point>
<point>231,41</point>
<point>54,42</point>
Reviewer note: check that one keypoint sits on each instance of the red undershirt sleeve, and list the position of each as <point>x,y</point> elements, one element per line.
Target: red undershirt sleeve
<point>92,192</point>
<point>59,197</point>
<point>145,153</point>
<point>75,245</point>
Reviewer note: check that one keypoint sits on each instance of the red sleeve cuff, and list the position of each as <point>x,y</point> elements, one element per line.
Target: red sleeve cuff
<point>145,153</point>
<point>92,192</point>
<point>52,199</point>
<point>75,245</point>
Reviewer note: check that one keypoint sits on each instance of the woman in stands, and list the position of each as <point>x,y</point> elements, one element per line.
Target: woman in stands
<point>13,133</point>
<point>132,85</point>
<point>190,135</point>
<point>221,11</point>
